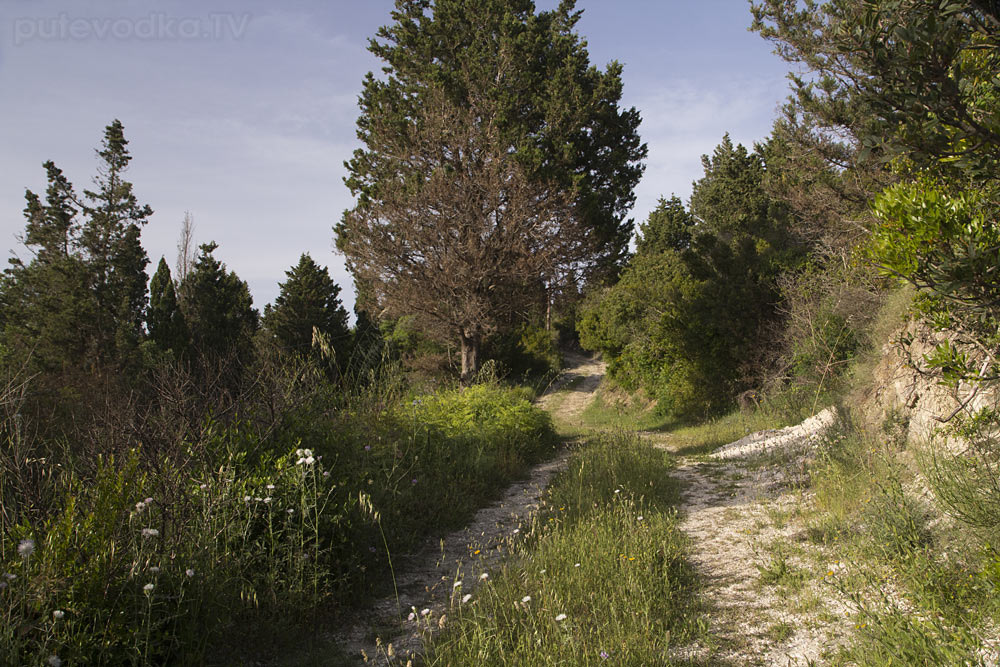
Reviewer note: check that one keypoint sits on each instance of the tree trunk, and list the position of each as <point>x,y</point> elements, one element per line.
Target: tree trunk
<point>470,357</point>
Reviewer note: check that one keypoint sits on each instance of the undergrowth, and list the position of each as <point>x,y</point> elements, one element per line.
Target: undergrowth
<point>198,563</point>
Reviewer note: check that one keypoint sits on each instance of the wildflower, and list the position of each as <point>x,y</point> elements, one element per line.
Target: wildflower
<point>267,501</point>
<point>411,616</point>
<point>368,448</point>
<point>203,486</point>
<point>54,661</point>
<point>140,506</point>
<point>424,611</point>
<point>476,552</point>
<point>10,577</point>
<point>484,577</point>
<point>26,548</point>
<point>526,599</point>
<point>270,487</point>
<point>466,597</point>
<point>154,569</point>
<point>309,460</point>
<point>456,584</point>
<point>150,532</point>
<point>290,510</point>
<point>189,572</point>
<point>58,614</point>
<point>604,655</point>
<point>640,517</point>
<point>149,588</point>
<point>616,491</point>
<point>577,565</point>
<point>413,481</point>
<point>516,531</point>
<point>326,473</point>
<point>148,501</point>
<point>542,571</point>
<point>561,617</point>
<point>246,499</point>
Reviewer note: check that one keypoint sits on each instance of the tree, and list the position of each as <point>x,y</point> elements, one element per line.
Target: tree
<point>309,303</point>
<point>81,300</point>
<point>115,257</point>
<point>686,320</point>
<point>460,246</point>
<point>164,318</point>
<point>218,308</point>
<point>669,227</point>
<point>905,77</point>
<point>546,109</point>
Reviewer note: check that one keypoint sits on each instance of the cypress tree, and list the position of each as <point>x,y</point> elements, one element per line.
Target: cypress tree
<point>308,300</point>
<point>164,319</point>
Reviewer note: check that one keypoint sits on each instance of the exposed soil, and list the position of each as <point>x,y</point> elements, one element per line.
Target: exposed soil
<point>765,593</point>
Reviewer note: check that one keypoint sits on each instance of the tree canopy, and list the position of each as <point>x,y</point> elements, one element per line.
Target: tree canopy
<point>491,140</point>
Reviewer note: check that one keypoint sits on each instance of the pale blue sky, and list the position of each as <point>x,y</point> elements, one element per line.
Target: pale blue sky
<point>243,112</point>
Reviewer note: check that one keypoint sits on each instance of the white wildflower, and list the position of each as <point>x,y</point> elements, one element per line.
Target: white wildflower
<point>457,584</point>
<point>640,517</point>
<point>25,548</point>
<point>561,617</point>
<point>270,487</point>
<point>189,572</point>
<point>154,569</point>
<point>149,588</point>
<point>526,599</point>
<point>203,486</point>
<point>577,565</point>
<point>425,611</point>
<point>517,530</point>
<point>267,501</point>
<point>140,506</point>
<point>58,614</point>
<point>54,661</point>
<point>484,577</point>
<point>466,597</point>
<point>150,532</point>
<point>411,616</point>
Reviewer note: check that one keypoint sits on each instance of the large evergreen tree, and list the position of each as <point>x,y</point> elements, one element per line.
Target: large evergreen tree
<point>309,301</point>
<point>497,68</point>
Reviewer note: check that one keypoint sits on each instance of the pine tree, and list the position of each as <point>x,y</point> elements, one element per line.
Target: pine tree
<point>164,319</point>
<point>218,308</point>
<point>115,257</point>
<point>309,300</point>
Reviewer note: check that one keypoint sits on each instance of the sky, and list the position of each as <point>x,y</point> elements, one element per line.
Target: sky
<point>242,112</point>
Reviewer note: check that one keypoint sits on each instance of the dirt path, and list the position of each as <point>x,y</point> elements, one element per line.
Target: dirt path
<point>429,583</point>
<point>764,596</point>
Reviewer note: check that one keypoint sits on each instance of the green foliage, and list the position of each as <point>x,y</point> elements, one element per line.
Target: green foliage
<point>164,319</point>
<point>309,304</point>
<point>590,146</point>
<point>218,308</point>
<point>154,560</point>
<point>82,299</point>
<point>687,324</point>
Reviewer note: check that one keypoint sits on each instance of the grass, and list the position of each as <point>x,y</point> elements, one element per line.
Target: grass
<point>212,561</point>
<point>923,586</point>
<point>600,575</point>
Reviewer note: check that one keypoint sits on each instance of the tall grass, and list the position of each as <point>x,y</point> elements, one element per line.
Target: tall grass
<point>197,558</point>
<point>599,575</point>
